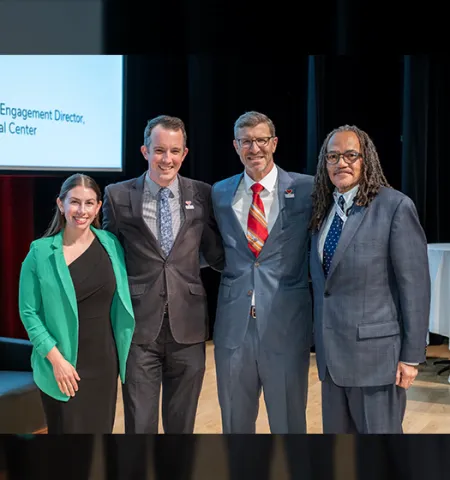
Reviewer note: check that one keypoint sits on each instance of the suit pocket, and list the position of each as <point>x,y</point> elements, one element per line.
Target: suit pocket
<point>137,289</point>
<point>378,330</point>
<point>225,287</point>
<point>371,248</point>
<point>196,289</point>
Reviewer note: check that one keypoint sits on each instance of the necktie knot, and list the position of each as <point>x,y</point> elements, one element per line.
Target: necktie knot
<point>257,188</point>
<point>341,202</point>
<point>164,192</point>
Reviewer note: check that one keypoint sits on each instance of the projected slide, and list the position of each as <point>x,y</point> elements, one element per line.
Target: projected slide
<point>61,112</point>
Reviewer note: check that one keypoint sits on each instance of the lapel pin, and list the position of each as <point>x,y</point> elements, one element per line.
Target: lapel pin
<point>189,205</point>
<point>289,193</point>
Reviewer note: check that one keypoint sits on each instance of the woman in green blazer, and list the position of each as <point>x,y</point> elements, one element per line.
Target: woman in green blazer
<point>75,304</point>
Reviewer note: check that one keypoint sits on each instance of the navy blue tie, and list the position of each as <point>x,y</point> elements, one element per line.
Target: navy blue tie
<point>332,238</point>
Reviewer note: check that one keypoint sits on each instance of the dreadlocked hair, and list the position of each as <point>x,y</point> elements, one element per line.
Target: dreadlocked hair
<point>372,177</point>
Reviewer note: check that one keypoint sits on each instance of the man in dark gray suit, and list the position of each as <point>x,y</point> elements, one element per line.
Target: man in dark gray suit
<point>371,284</point>
<point>263,329</point>
<point>165,223</point>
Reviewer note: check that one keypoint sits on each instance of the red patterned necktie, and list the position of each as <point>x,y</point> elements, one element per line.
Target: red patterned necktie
<point>257,232</point>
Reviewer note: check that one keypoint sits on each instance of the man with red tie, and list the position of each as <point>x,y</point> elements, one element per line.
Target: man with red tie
<point>263,328</point>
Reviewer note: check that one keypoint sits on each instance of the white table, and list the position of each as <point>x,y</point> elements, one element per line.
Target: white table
<point>439,261</point>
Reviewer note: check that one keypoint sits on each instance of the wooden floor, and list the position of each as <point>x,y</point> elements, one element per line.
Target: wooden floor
<point>428,407</point>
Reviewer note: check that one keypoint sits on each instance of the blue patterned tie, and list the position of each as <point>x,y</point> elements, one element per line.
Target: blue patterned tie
<point>332,238</point>
<point>165,221</point>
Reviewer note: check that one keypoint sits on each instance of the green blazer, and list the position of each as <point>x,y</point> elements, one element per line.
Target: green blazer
<point>48,307</point>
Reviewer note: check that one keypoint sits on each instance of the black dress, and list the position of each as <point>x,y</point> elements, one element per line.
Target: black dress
<point>92,409</point>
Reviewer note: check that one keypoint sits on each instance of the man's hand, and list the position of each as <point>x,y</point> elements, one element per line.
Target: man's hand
<point>405,375</point>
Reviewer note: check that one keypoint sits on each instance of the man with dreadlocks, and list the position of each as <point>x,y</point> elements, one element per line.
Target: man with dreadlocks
<point>369,268</point>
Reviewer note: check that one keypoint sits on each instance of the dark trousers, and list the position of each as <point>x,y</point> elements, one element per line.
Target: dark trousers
<point>362,409</point>
<point>180,370</point>
<point>144,457</point>
<point>52,457</point>
<point>307,457</point>
<point>402,457</point>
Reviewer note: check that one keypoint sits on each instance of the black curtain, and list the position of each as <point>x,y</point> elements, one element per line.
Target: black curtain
<point>425,169</point>
<point>315,110</point>
<point>401,101</point>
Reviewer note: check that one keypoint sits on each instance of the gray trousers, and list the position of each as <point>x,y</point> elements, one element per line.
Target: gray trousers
<point>243,372</point>
<point>362,409</point>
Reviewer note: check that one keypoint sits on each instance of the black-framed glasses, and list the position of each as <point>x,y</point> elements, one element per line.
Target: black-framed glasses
<point>248,142</point>
<point>350,156</point>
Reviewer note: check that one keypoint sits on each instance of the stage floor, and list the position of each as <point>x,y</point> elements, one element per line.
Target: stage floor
<point>427,411</point>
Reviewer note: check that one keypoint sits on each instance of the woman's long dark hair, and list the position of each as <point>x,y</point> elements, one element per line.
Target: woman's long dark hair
<point>59,220</point>
<point>372,176</point>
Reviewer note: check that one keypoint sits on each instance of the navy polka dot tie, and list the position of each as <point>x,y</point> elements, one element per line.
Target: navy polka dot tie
<point>332,238</point>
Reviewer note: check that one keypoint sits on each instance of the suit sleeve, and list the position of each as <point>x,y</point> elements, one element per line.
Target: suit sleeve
<point>109,221</point>
<point>211,248</point>
<point>409,256</point>
<point>30,306</point>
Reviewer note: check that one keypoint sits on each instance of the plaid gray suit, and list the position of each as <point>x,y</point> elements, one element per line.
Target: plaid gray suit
<point>370,313</point>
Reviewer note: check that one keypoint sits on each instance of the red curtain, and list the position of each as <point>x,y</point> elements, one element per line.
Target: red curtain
<point>16,234</point>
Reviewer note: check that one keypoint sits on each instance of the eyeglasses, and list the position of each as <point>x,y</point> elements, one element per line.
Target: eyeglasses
<point>350,156</point>
<point>248,143</point>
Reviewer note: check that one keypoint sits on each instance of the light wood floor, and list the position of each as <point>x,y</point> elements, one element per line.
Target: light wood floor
<point>428,407</point>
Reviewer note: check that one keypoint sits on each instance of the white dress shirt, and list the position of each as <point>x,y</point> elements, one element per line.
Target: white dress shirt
<point>348,198</point>
<point>269,196</point>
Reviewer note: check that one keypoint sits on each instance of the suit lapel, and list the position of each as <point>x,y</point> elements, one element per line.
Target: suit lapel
<point>350,228</point>
<point>136,196</point>
<point>315,254</point>
<point>229,194</point>
<point>319,234</point>
<point>63,272</point>
<point>187,197</point>
<point>284,181</point>
<point>136,201</point>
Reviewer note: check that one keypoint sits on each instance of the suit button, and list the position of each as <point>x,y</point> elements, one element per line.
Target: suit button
<point>256,264</point>
<point>162,294</point>
<point>250,292</point>
<point>326,293</point>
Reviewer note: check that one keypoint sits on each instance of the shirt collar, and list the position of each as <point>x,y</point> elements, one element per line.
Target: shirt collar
<point>268,182</point>
<point>348,196</point>
<point>154,188</point>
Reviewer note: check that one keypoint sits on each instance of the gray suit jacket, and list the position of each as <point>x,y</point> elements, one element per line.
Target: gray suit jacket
<point>372,310</point>
<point>154,279</point>
<point>279,275</point>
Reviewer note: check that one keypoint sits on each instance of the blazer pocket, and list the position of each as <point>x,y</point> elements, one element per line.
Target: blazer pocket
<point>378,330</point>
<point>293,212</point>
<point>226,281</point>
<point>196,289</point>
<point>137,289</point>
<point>225,286</point>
